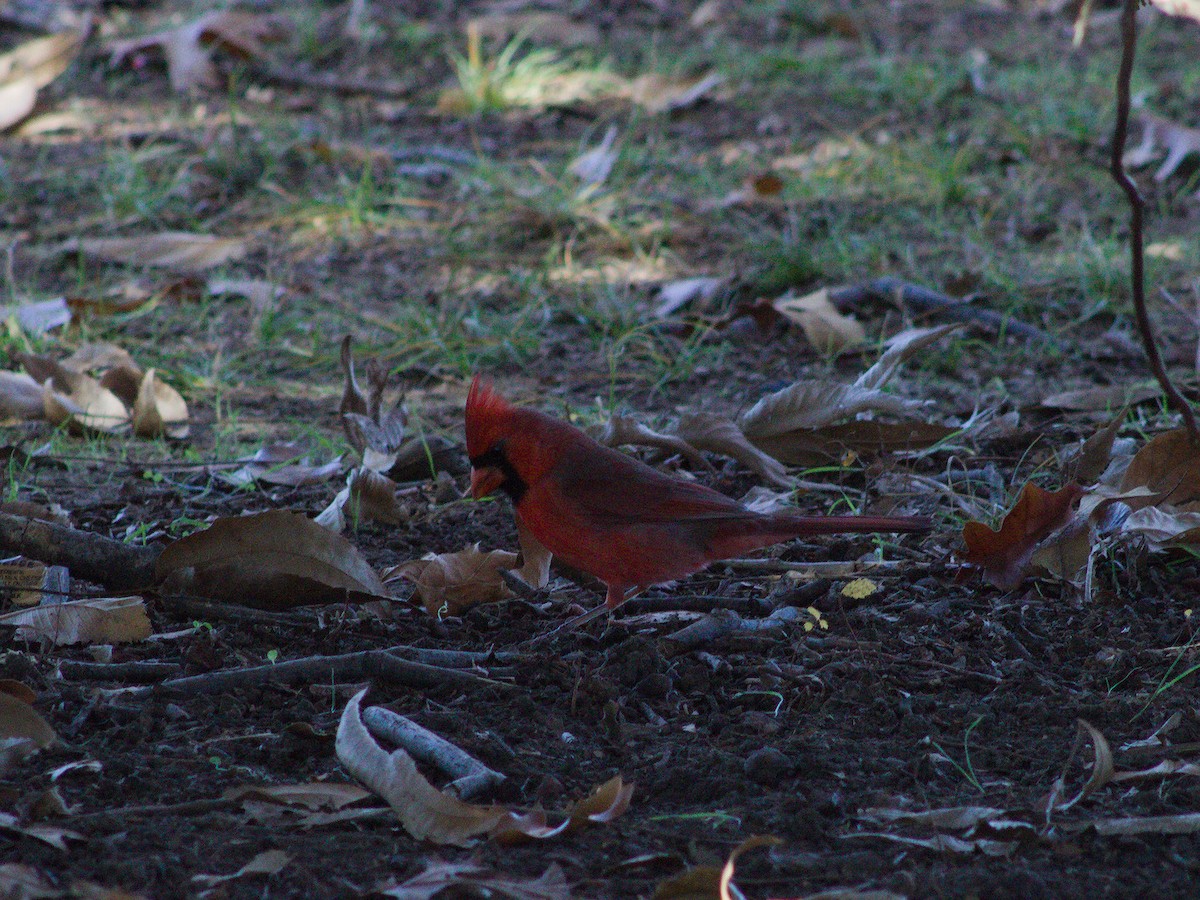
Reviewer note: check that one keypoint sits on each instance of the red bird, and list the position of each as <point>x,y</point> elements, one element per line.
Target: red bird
<point>617,518</point>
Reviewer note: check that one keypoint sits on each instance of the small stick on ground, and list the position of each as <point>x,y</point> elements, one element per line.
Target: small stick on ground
<point>471,777</point>
<point>92,557</point>
<point>925,300</point>
<point>134,672</point>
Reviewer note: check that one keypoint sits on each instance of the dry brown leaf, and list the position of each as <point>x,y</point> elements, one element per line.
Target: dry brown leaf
<point>443,879</point>
<point>827,330</point>
<point>159,409</point>
<point>832,443</point>
<point>815,405</point>
<point>607,802</point>
<point>659,93</point>
<point>27,584</point>
<point>188,48</point>
<point>29,67</point>
<point>108,620</point>
<point>281,463</point>
<point>1163,527</point>
<point>1169,464</point>
<point>1103,399</point>
<point>20,397</point>
<point>272,560</point>
<point>451,583</point>
<point>372,497</point>
<point>1095,453</point>
<point>19,720</point>
<point>314,795</point>
<point>425,812</point>
<point>717,434</point>
<point>1005,555</point>
<point>180,251</point>
<point>262,294</point>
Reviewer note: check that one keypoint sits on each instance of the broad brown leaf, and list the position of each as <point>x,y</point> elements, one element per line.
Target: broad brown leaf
<point>1005,555</point>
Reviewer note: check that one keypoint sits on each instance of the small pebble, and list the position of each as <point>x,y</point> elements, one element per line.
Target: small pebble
<point>767,766</point>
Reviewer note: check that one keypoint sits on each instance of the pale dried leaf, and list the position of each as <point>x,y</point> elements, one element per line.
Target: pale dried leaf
<point>373,497</point>
<point>108,620</point>
<point>1103,399</point>
<point>31,66</point>
<point>333,516</point>
<point>451,583</point>
<point>266,863</point>
<point>534,558</point>
<point>159,409</point>
<point>898,349</point>
<point>659,93</point>
<point>20,721</point>
<point>262,294</point>
<point>442,879</point>
<point>23,882</point>
<point>944,843</point>
<point>726,889</point>
<point>79,401</point>
<point>1183,823</point>
<point>607,802</point>
<point>951,818</point>
<point>674,295</point>
<point>593,166</point>
<point>815,404</point>
<point>717,434</point>
<point>827,330</point>
<point>1163,526</point>
<point>41,317</point>
<point>1189,9</point>
<point>1159,133</point>
<point>20,397</point>
<point>48,834</point>
<point>425,812</point>
<point>272,560</point>
<point>313,795</point>
<point>187,48</point>
<point>180,251</point>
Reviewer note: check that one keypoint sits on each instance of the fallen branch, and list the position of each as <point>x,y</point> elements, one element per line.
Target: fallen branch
<point>116,565</point>
<point>382,664</point>
<point>726,622</point>
<point>134,672</point>
<point>471,777</point>
<point>925,300</point>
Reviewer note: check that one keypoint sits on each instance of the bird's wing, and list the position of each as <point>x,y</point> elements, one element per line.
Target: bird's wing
<point>617,487</point>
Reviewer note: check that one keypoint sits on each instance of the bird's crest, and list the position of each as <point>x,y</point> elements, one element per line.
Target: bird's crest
<point>487,413</point>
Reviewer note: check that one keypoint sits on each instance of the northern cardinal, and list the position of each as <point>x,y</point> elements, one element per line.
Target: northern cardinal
<point>617,518</point>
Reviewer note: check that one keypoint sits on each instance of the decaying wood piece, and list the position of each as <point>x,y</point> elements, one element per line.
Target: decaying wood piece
<point>92,557</point>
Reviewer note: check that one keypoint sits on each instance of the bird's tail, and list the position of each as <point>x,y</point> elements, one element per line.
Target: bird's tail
<point>748,535</point>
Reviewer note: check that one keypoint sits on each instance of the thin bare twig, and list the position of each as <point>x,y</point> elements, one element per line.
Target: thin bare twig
<point>1137,273</point>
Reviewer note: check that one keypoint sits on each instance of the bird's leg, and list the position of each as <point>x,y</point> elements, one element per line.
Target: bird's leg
<point>615,597</point>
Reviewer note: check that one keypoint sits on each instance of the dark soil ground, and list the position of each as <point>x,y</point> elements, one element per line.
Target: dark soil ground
<point>937,690</point>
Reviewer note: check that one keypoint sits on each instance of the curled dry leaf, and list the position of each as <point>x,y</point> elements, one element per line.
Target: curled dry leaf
<point>177,250</point>
<point>425,812</point>
<point>284,464</point>
<point>20,397</point>
<point>1005,555</point>
<point>30,66</point>
<point>429,814</point>
<point>826,329</point>
<point>159,409</point>
<point>674,295</point>
<point>451,583</point>
<point>110,620</point>
<point>1169,464</point>
<point>1189,9</point>
<point>272,560</point>
<point>124,381</point>
<point>82,403</point>
<point>373,497</point>
<point>658,93</point>
<point>534,559</point>
<point>706,431</point>
<point>187,48</point>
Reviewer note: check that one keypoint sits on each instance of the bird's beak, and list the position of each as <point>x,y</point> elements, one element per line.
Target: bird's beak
<point>485,481</point>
